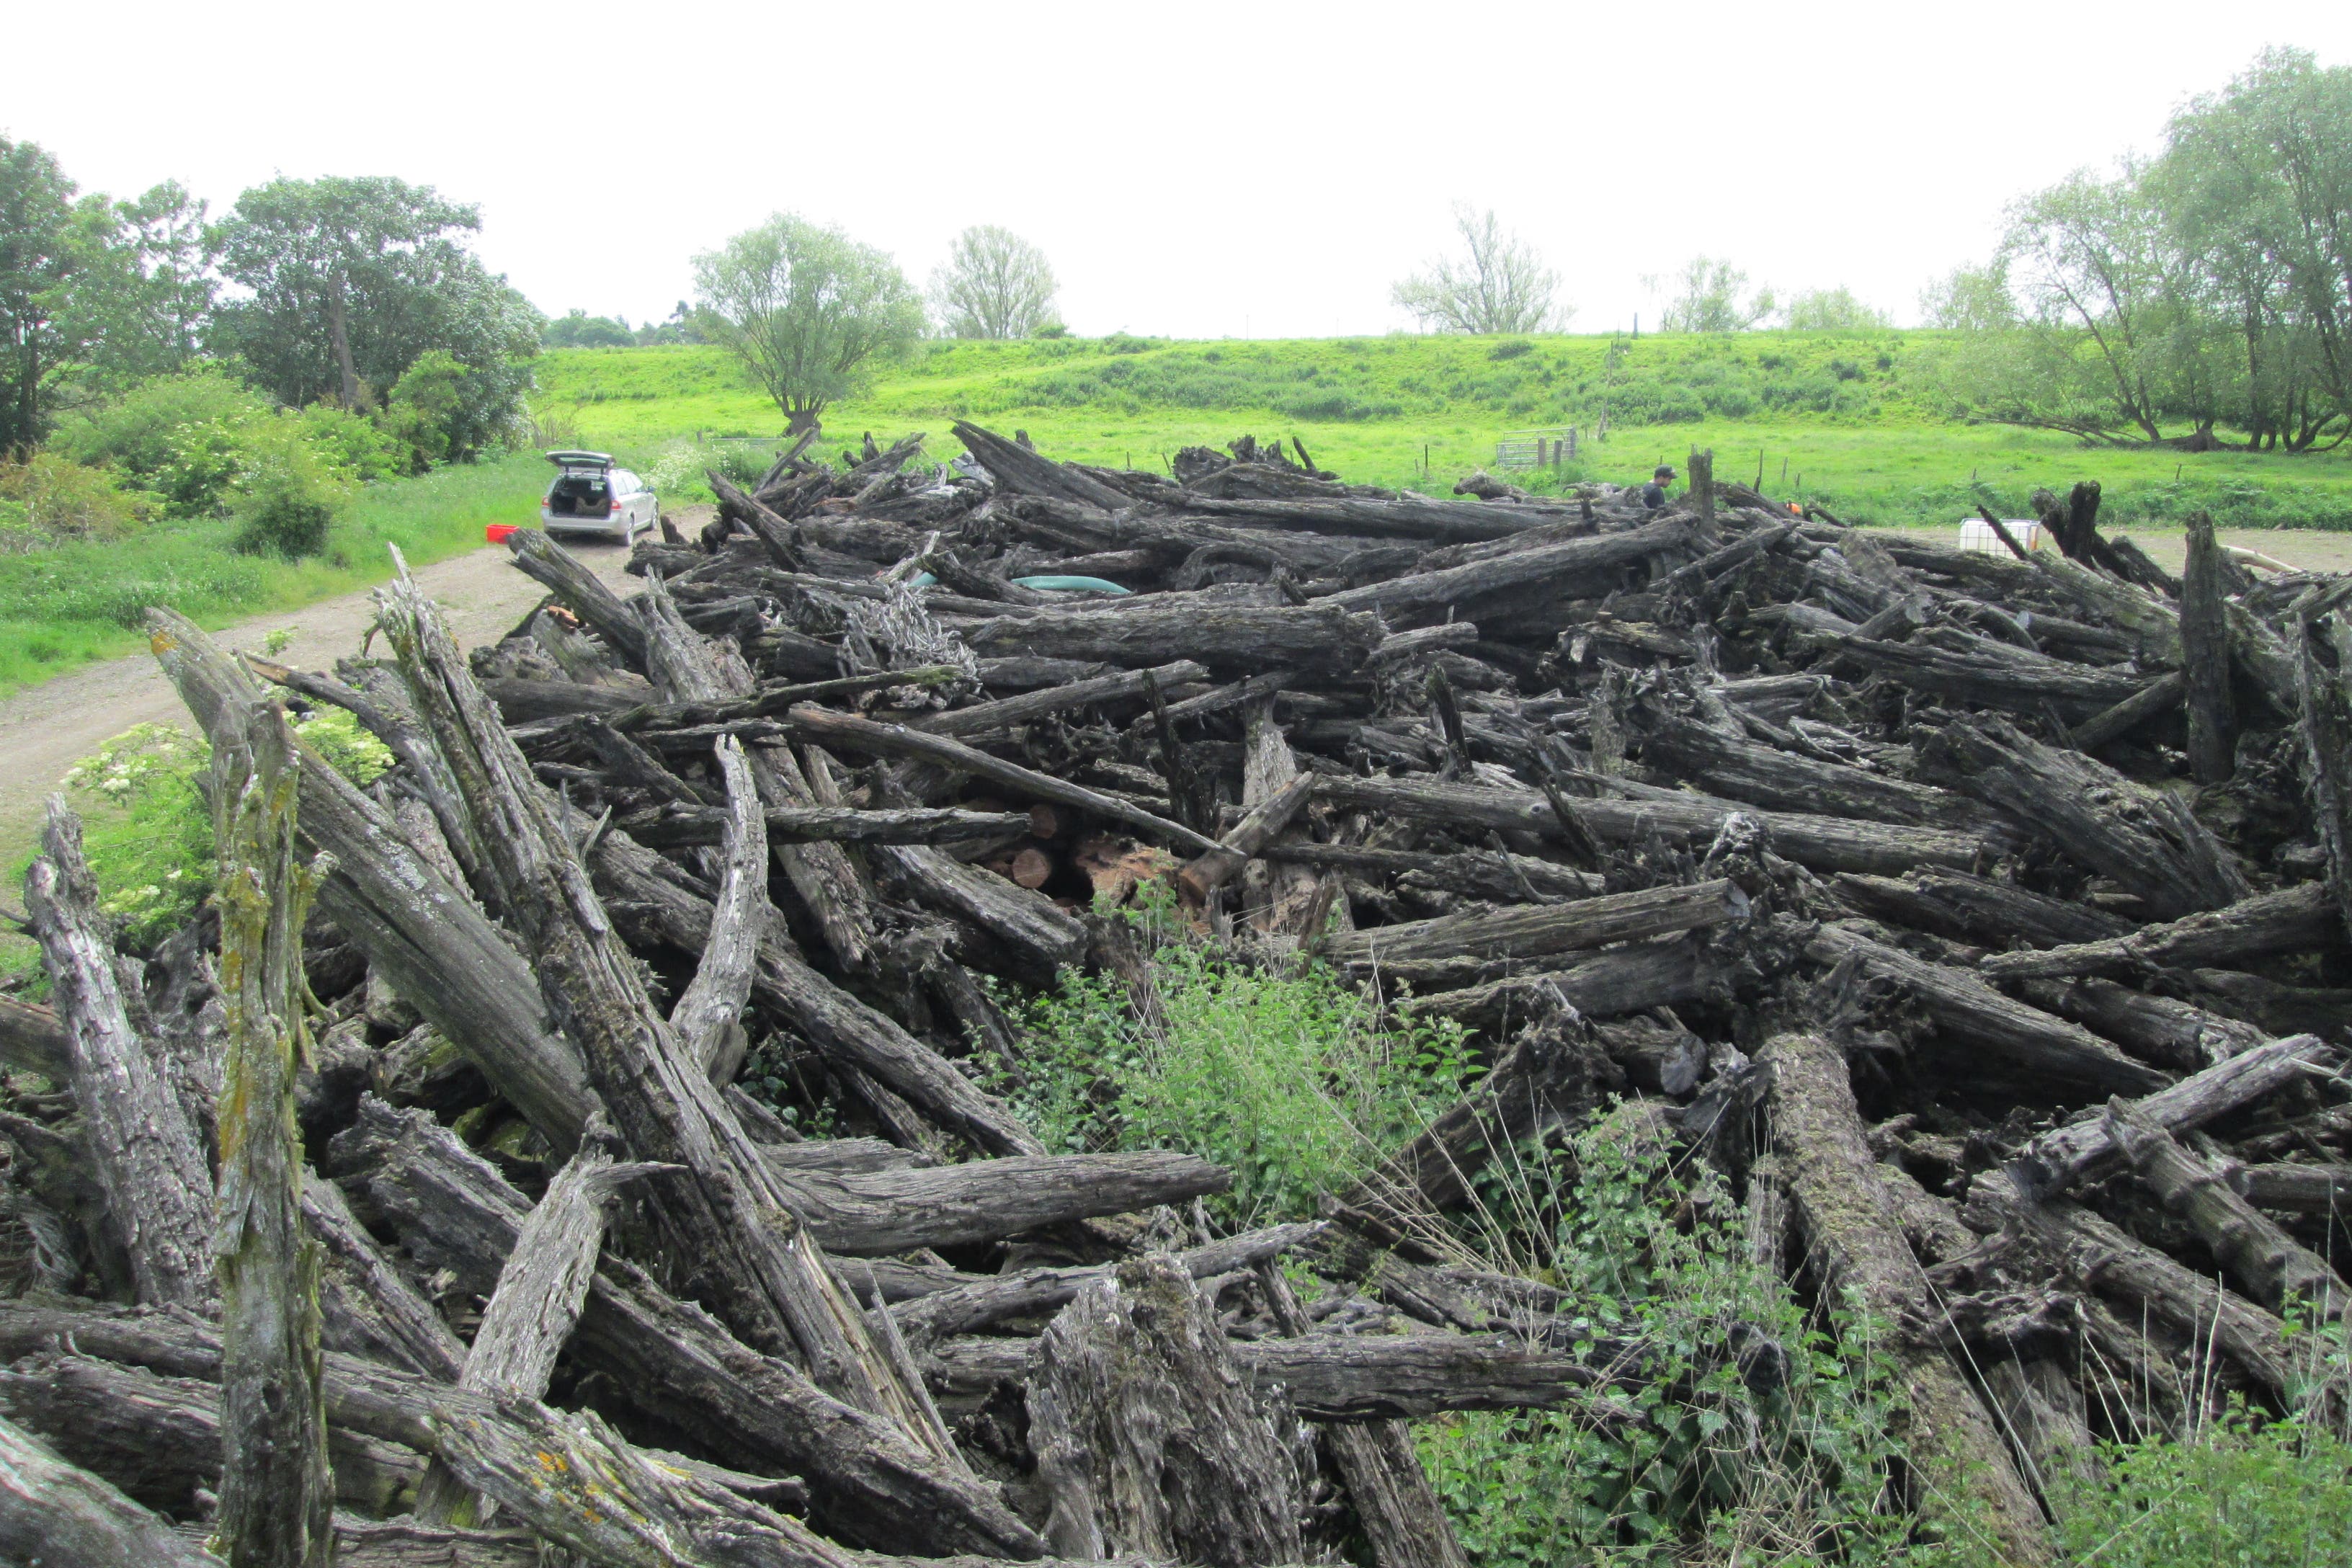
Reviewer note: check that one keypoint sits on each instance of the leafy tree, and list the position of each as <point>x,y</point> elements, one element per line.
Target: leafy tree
<point>1831,311</point>
<point>446,410</point>
<point>1498,286</point>
<point>995,284</point>
<point>809,311</point>
<point>2255,190</point>
<point>1713,298</point>
<point>45,242</point>
<point>143,299</point>
<point>346,282</point>
<point>579,330</point>
<point>1970,299</point>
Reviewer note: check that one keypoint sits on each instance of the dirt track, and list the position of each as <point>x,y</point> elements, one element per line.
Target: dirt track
<point>43,731</point>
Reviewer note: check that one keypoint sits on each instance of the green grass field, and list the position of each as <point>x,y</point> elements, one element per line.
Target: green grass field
<point>60,608</point>
<point>1848,420</point>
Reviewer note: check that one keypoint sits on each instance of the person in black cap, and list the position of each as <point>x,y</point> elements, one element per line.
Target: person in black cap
<point>1654,494</point>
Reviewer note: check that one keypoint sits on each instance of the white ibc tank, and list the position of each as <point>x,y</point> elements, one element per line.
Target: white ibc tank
<point>1975,534</point>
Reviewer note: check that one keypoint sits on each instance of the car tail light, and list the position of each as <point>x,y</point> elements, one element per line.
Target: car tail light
<point>615,505</point>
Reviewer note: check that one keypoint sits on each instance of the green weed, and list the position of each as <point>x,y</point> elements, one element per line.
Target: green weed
<point>147,827</point>
<point>1765,1432</point>
<point>1288,1078</point>
<point>2246,1492</point>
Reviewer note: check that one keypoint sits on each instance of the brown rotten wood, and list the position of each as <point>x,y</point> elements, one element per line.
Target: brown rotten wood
<point>149,1157</point>
<point>277,1500</point>
<point>1265,818</point>
<point>1855,1237</point>
<point>769,1279</point>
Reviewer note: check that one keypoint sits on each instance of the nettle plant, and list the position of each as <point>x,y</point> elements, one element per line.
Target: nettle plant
<point>1286,1075</point>
<point>1756,1428</point>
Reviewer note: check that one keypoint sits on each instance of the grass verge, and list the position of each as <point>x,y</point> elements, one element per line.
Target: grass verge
<point>60,608</point>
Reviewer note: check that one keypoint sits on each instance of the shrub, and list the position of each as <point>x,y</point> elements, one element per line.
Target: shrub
<point>146,434</point>
<point>148,828</point>
<point>290,498</point>
<point>1726,1464</point>
<point>447,411</point>
<point>1290,1079</point>
<point>47,499</point>
<point>2247,1492</point>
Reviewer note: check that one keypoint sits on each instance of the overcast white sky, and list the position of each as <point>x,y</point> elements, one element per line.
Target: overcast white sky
<point>1199,170</point>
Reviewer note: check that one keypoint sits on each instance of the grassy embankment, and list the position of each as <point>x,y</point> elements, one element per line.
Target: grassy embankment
<point>1848,420</point>
<point>60,608</point>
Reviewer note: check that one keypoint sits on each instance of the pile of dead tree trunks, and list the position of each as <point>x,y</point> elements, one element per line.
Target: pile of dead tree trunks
<point>1983,917</point>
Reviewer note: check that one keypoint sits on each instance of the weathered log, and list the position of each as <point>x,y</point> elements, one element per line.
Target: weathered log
<point>1265,818</point>
<point>164,1440</point>
<point>1993,675</point>
<point>1548,1075</point>
<point>1747,770</point>
<point>2148,842</point>
<point>964,1308</point>
<point>868,1483</point>
<point>1576,568</point>
<point>829,729</point>
<point>426,936</point>
<point>1404,1523</point>
<point>1028,922</point>
<point>2268,1264</point>
<point>540,1289</point>
<point>709,1014</point>
<point>61,1516</point>
<point>1966,1479</point>
<point>1000,716</point>
<point>877,1213</point>
<point>276,1498</point>
<point>1224,635</point>
<point>832,888</point>
<point>773,1285</point>
<point>1824,844</point>
<point>2171,1033</point>
<point>2101,1256</point>
<point>1495,875</point>
<point>31,1039</point>
<point>2322,690</point>
<point>2162,695</point>
<point>651,898</point>
<point>1147,1440</point>
<point>1534,932</point>
<point>1020,471</point>
<point>2299,1189</point>
<point>1603,984</point>
<point>1969,1011</point>
<point>367,1307</point>
<point>545,562</point>
<point>2064,1156</point>
<point>149,1156</point>
<point>1348,1377</point>
<point>2205,655</point>
<point>2292,918</point>
<point>668,826</point>
<point>1977,910</point>
<point>1441,520</point>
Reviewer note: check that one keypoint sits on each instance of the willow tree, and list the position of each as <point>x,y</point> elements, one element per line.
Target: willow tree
<point>810,312</point>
